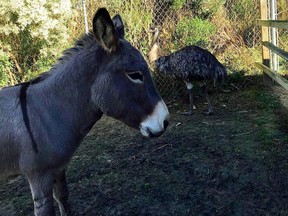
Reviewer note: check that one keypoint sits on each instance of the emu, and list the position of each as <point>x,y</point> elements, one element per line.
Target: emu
<point>43,121</point>
<point>190,64</point>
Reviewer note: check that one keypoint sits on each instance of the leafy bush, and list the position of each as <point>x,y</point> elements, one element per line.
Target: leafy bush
<point>194,32</point>
<point>203,9</point>
<point>34,29</point>
<point>5,68</point>
<point>177,4</point>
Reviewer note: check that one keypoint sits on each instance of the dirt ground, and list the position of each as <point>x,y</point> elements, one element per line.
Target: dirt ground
<point>234,162</point>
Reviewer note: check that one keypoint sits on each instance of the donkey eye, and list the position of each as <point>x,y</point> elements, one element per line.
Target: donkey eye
<point>135,76</point>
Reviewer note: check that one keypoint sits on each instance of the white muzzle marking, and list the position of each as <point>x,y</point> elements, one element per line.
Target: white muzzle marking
<point>153,125</point>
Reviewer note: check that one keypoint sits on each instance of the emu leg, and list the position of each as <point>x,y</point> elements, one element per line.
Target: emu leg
<point>41,186</point>
<point>189,86</point>
<point>61,194</point>
<point>204,90</point>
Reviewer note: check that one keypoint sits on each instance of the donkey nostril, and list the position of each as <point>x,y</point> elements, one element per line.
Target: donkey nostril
<point>166,123</point>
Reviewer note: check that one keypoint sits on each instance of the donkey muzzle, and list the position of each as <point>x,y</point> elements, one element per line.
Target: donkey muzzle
<point>156,123</point>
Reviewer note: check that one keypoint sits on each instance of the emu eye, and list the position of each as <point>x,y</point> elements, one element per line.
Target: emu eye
<point>135,76</point>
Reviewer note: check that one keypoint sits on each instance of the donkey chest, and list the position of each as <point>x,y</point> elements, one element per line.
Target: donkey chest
<point>9,160</point>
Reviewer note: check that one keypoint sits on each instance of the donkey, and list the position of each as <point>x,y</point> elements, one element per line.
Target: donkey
<point>43,121</point>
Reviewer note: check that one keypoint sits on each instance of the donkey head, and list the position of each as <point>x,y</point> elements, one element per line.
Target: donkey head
<point>123,88</point>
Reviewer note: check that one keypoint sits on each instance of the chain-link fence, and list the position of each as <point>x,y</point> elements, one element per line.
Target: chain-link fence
<point>282,14</point>
<point>226,28</point>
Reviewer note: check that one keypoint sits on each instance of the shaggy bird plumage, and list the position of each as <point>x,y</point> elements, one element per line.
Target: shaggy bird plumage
<point>190,64</point>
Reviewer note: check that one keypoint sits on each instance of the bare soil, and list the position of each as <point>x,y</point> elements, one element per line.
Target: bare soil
<point>234,162</point>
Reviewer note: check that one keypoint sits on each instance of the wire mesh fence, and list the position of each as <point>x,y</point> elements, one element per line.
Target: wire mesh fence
<point>282,43</point>
<point>282,14</point>
<point>226,28</point>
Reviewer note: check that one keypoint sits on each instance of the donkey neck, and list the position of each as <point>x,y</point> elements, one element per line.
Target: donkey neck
<point>69,81</point>
<point>64,95</point>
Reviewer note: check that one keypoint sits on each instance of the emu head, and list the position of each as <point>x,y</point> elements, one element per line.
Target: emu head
<point>162,65</point>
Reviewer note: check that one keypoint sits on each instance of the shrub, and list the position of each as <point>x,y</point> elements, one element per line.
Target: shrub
<point>194,32</point>
<point>5,68</point>
<point>34,29</point>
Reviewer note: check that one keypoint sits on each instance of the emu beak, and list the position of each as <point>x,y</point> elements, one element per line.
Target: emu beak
<point>156,123</point>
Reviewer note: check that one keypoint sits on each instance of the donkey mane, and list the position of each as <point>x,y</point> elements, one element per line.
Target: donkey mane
<point>85,42</point>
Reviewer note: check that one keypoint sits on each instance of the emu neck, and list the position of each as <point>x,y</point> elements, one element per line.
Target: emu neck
<point>153,54</point>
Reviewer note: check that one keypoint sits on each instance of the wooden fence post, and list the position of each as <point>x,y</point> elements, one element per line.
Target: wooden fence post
<point>265,32</point>
<point>265,37</point>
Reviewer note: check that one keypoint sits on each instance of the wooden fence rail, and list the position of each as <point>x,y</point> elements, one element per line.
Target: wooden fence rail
<point>282,53</point>
<point>273,23</point>
<point>276,50</point>
<point>268,47</point>
<point>274,75</point>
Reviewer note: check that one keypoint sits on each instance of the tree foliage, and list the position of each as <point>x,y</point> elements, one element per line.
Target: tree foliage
<point>31,31</point>
<point>194,31</point>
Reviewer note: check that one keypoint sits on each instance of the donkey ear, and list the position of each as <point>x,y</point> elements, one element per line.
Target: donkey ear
<point>118,23</point>
<point>104,30</point>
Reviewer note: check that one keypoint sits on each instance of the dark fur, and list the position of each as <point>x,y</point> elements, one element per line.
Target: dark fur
<point>43,121</point>
<point>190,64</point>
